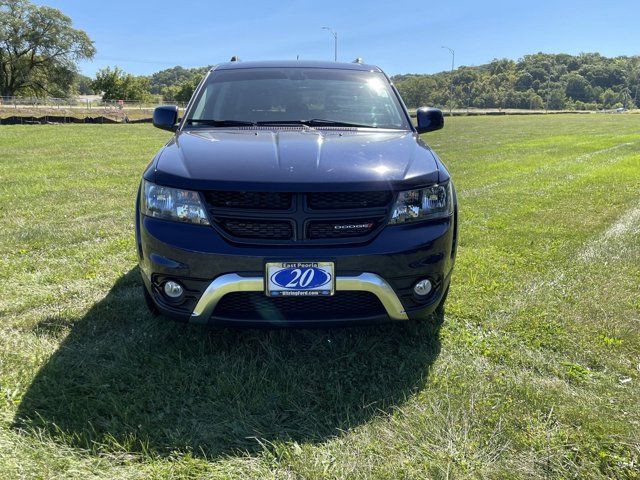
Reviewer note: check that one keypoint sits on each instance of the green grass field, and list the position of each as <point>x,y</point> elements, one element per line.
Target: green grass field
<point>534,373</point>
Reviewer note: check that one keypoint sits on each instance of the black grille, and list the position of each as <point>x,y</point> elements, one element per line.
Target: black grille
<point>270,230</point>
<point>281,217</point>
<point>340,200</point>
<point>341,228</point>
<point>257,306</point>
<point>250,200</point>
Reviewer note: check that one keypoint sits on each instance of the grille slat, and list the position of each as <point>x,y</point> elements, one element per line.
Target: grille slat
<point>257,306</point>
<point>250,200</point>
<point>270,230</point>
<point>343,200</point>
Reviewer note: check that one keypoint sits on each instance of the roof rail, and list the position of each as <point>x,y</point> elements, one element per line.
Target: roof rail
<point>235,58</point>
<point>358,60</point>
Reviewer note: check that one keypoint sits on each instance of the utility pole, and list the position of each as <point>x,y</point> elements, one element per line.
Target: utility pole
<point>453,61</point>
<point>335,42</point>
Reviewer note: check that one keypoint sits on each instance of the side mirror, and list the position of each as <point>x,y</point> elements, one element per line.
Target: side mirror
<point>429,119</point>
<point>166,117</point>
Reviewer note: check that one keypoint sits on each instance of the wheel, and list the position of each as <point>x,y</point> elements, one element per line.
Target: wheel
<point>153,310</point>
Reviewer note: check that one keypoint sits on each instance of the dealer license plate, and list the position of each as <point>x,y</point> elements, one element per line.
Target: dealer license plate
<point>299,279</point>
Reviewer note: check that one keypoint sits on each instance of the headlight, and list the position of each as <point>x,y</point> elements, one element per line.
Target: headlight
<point>172,204</point>
<point>423,204</point>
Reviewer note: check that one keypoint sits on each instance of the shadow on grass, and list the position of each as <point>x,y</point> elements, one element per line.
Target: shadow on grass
<point>122,380</point>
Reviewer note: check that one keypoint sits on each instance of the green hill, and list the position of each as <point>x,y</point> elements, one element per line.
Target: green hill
<point>556,81</point>
<point>176,83</point>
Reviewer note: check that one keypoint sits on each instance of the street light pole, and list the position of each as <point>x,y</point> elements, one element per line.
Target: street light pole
<point>335,42</point>
<point>453,62</point>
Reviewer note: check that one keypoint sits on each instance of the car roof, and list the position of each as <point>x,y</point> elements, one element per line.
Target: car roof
<point>297,64</point>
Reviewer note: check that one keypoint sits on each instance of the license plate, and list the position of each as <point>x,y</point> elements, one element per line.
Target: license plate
<point>299,279</point>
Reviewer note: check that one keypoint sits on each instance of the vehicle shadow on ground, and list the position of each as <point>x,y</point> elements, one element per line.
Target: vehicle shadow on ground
<point>125,381</point>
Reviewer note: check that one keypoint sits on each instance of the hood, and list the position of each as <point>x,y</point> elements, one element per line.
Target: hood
<point>295,159</point>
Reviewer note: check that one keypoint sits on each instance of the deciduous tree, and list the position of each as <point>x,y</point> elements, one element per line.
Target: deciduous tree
<point>115,84</point>
<point>39,49</point>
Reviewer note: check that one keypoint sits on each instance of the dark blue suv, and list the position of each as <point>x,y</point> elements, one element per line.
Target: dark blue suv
<point>296,193</point>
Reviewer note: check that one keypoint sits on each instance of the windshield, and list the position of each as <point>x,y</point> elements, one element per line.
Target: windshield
<point>314,96</point>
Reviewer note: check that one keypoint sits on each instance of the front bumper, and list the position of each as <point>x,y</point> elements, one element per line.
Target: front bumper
<point>231,282</point>
<point>211,267</point>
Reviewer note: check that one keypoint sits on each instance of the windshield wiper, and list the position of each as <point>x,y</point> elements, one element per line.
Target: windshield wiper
<point>334,123</point>
<point>220,123</point>
<point>315,122</point>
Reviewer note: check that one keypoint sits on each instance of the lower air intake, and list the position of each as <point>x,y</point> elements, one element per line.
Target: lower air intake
<point>257,306</point>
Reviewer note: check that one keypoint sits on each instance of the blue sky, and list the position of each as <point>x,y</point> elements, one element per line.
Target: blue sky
<point>144,36</point>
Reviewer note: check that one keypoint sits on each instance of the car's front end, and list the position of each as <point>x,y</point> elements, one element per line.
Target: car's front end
<point>278,223</point>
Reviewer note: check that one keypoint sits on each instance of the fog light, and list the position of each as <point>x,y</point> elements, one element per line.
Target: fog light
<point>422,288</point>
<point>173,290</point>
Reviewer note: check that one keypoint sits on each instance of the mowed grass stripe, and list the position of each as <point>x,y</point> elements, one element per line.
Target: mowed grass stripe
<point>562,167</point>
<point>538,227</point>
<point>514,148</point>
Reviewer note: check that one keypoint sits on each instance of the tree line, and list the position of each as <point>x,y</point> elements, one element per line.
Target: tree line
<point>173,84</point>
<point>588,81</point>
<point>40,49</point>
